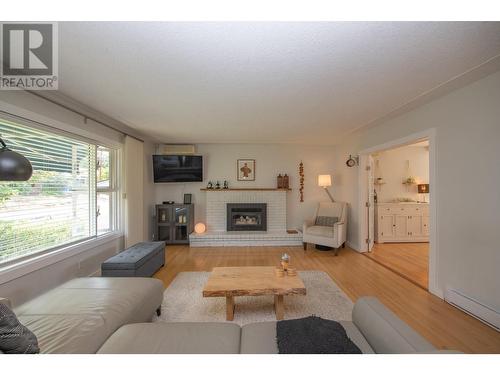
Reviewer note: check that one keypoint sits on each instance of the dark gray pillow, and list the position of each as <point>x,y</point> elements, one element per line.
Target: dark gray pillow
<point>14,337</point>
<point>326,221</point>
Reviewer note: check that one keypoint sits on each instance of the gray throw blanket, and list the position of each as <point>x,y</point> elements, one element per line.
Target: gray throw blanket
<point>14,337</point>
<point>313,335</point>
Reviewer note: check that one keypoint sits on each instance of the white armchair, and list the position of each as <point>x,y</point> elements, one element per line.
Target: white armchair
<point>332,236</point>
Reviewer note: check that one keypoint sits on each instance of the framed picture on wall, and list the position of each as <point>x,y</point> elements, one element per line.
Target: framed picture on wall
<point>246,169</point>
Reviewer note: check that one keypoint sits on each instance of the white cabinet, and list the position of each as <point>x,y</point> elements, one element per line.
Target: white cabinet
<point>401,222</point>
<point>415,225</point>
<point>385,227</point>
<point>425,225</point>
<point>401,228</point>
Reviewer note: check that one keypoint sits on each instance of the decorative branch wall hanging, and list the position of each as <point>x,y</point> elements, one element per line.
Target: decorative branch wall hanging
<point>301,174</point>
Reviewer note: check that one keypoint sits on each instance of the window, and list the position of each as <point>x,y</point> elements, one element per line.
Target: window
<point>71,197</point>
<point>106,190</point>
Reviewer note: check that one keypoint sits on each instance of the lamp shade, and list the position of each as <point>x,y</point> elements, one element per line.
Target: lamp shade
<point>200,228</point>
<point>324,180</point>
<point>423,188</point>
<point>13,166</point>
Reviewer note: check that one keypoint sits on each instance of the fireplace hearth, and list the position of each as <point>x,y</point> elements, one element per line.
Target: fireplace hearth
<point>246,217</point>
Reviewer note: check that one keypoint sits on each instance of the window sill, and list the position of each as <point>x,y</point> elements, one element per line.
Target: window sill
<point>16,270</point>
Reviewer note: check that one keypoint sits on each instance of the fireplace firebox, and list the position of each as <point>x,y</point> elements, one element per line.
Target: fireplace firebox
<point>246,216</point>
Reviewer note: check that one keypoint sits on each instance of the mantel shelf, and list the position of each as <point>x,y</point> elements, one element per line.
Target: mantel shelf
<point>246,189</point>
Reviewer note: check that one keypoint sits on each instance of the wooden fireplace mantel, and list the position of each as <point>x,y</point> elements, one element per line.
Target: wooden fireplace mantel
<point>246,189</point>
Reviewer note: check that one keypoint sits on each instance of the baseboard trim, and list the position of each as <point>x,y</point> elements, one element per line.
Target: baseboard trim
<point>353,246</point>
<point>473,307</point>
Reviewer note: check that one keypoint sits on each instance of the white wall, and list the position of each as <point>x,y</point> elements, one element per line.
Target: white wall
<point>271,159</point>
<point>467,123</point>
<point>391,165</point>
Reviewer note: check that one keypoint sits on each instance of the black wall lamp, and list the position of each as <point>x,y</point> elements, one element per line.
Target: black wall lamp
<point>13,166</point>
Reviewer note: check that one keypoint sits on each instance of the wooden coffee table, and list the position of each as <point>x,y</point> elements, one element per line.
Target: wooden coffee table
<point>230,282</point>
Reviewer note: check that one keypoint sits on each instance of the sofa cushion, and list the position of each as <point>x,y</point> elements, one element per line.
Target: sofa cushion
<point>78,316</point>
<point>384,331</point>
<point>260,338</point>
<point>68,333</point>
<point>174,338</point>
<point>5,301</point>
<point>357,337</point>
<point>326,221</point>
<point>319,230</point>
<point>15,338</point>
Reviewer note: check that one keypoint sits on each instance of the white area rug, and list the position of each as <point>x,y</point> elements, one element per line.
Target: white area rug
<point>183,301</point>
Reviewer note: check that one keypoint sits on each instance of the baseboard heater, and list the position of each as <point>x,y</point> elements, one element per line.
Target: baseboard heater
<point>472,307</point>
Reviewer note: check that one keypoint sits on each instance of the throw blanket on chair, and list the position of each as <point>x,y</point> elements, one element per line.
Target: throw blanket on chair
<point>313,335</point>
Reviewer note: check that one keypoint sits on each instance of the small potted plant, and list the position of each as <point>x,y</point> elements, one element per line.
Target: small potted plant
<point>410,181</point>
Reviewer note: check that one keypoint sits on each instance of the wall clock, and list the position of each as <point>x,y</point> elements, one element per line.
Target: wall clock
<point>351,162</point>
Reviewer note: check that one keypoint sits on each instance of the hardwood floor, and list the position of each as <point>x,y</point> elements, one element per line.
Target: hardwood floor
<point>442,324</point>
<point>410,260</point>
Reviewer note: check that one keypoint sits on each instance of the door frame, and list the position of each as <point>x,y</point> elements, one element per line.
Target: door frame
<point>430,135</point>
<point>370,210</point>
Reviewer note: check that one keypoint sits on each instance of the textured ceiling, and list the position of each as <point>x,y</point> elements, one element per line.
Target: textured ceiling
<point>262,82</point>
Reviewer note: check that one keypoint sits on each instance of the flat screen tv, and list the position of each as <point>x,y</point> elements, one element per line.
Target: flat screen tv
<point>178,168</point>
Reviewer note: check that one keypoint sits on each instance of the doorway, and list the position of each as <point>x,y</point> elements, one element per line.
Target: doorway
<point>396,195</point>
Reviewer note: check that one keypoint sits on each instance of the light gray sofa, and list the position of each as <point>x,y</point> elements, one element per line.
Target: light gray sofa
<point>112,315</point>
<point>374,329</point>
<point>80,315</point>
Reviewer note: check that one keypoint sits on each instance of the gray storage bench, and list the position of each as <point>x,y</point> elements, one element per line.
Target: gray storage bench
<point>141,260</point>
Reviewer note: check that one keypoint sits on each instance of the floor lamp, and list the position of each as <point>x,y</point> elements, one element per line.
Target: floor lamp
<point>13,165</point>
<point>324,181</point>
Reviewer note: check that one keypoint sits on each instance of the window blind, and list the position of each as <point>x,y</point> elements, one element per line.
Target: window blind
<point>57,206</point>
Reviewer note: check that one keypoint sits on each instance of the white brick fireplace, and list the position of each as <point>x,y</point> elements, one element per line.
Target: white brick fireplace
<point>216,220</point>
<point>217,200</point>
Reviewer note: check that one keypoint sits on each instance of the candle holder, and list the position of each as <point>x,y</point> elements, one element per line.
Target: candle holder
<point>285,261</point>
